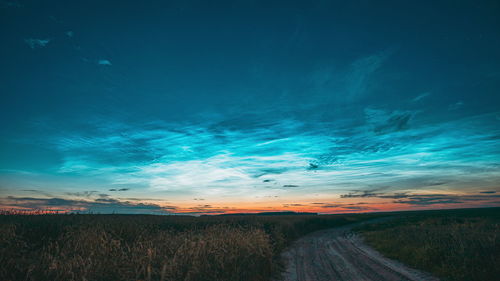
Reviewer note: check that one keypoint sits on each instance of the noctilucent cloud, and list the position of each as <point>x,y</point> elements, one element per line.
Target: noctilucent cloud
<point>208,107</point>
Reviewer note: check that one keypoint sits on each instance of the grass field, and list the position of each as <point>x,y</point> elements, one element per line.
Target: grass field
<point>452,244</point>
<point>461,245</point>
<point>143,247</point>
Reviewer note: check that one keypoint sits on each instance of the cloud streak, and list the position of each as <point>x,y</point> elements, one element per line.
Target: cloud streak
<point>100,205</point>
<point>104,62</point>
<point>286,156</point>
<point>285,160</point>
<point>427,199</point>
<point>37,43</point>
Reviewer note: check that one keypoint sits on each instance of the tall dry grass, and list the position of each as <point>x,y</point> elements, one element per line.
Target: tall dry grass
<point>215,253</point>
<point>140,247</point>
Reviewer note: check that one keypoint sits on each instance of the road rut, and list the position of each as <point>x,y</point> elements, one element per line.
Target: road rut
<point>340,254</point>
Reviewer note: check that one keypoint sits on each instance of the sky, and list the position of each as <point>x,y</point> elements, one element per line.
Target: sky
<point>211,107</point>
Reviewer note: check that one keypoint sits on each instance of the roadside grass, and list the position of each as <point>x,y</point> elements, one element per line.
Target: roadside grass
<point>458,245</point>
<point>145,247</point>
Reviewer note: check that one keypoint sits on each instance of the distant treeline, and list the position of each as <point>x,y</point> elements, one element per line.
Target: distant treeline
<point>271,214</point>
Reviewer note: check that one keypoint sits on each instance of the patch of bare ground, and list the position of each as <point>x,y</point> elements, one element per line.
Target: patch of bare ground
<point>340,254</point>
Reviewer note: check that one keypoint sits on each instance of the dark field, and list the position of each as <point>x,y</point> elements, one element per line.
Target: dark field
<point>453,245</point>
<point>461,245</point>
<point>142,247</point>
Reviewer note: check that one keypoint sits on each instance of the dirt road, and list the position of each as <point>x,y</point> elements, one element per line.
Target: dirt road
<point>339,254</point>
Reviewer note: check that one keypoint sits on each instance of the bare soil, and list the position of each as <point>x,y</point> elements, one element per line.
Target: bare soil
<point>340,254</point>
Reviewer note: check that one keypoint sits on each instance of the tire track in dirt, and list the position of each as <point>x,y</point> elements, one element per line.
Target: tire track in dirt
<point>339,254</point>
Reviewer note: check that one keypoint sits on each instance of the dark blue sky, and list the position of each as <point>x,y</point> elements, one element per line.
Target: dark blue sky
<point>251,105</point>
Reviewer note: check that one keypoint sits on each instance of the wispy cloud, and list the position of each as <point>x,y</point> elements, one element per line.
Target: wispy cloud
<point>104,62</point>
<point>11,4</point>
<point>385,122</point>
<point>38,192</point>
<point>345,85</point>
<point>456,106</point>
<point>337,207</point>
<point>100,205</point>
<point>119,189</point>
<point>361,70</point>
<point>387,151</point>
<point>421,97</point>
<point>434,199</point>
<point>37,43</point>
<point>426,199</point>
<point>85,194</point>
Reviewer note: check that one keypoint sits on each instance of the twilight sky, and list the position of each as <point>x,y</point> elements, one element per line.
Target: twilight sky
<point>244,106</point>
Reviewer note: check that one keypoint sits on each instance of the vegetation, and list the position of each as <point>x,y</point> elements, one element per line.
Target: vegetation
<point>143,247</point>
<point>453,244</point>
